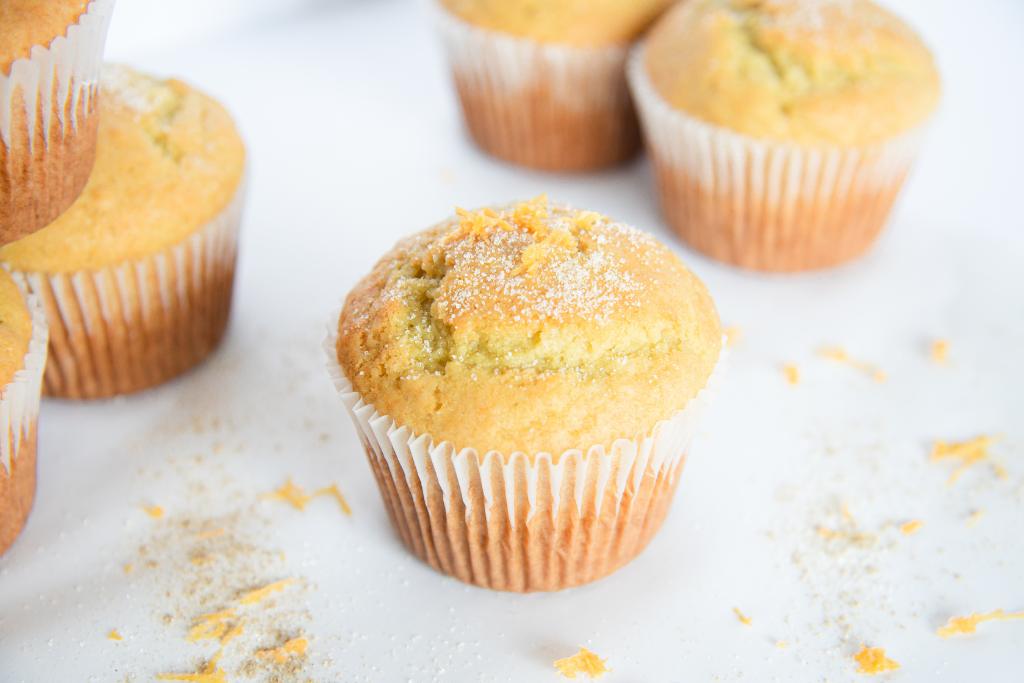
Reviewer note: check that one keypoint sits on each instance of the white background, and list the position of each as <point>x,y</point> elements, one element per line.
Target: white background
<point>355,140</point>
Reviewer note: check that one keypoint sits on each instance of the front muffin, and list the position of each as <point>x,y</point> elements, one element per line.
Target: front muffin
<point>22,356</point>
<point>782,129</point>
<point>50,57</point>
<point>520,352</point>
<point>543,84</point>
<point>137,275</point>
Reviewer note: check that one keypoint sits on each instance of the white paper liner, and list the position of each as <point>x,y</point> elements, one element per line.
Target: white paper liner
<point>541,104</point>
<point>57,79</point>
<point>405,452</point>
<point>102,321</point>
<point>19,400</point>
<point>765,191</point>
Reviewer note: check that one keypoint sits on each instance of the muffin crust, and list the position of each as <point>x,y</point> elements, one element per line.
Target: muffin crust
<point>15,329</point>
<point>843,72</point>
<point>27,23</point>
<point>168,160</point>
<point>529,328</point>
<point>570,22</point>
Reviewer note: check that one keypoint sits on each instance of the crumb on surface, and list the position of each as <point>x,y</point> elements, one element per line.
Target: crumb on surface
<point>938,351</point>
<point>154,511</point>
<point>583,662</point>
<point>792,373</point>
<point>872,661</point>
<point>911,527</point>
<point>114,635</point>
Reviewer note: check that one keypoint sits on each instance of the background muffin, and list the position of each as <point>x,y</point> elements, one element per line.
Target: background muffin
<point>50,57</point>
<point>527,344</point>
<point>782,130</point>
<point>136,276</point>
<point>22,356</point>
<point>543,84</point>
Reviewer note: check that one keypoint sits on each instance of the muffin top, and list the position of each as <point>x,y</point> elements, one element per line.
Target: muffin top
<point>571,22</point>
<point>168,160</point>
<point>813,72</point>
<point>15,329</point>
<point>27,23</point>
<point>529,328</point>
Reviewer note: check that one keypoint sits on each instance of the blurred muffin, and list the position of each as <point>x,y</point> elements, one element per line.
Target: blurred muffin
<point>50,56</point>
<point>543,84</point>
<point>22,356</point>
<point>782,130</point>
<point>136,276</point>
<point>525,380</point>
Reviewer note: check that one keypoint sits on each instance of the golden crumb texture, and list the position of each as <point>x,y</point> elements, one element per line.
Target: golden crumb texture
<point>15,329</point>
<point>25,24</point>
<point>168,160</point>
<point>582,23</point>
<point>529,327</point>
<point>813,72</point>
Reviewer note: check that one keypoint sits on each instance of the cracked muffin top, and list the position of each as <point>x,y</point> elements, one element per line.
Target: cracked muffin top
<point>530,327</point>
<point>168,160</point>
<point>840,72</point>
<point>583,23</point>
<point>27,23</point>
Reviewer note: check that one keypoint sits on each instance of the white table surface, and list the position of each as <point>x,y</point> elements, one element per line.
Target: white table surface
<point>355,140</point>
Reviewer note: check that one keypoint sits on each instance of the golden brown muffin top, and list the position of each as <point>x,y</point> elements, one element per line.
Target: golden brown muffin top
<point>15,329</point>
<point>842,72</point>
<point>27,23</point>
<point>529,327</point>
<point>570,22</point>
<point>168,160</point>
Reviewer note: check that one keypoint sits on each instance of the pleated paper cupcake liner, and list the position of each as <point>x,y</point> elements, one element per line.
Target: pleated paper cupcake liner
<point>551,107</point>
<point>137,324</point>
<point>768,205</point>
<point>19,413</point>
<point>48,124</point>
<point>522,522</point>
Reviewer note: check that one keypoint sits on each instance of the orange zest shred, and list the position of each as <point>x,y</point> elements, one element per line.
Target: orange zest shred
<point>791,373</point>
<point>258,595</point>
<point>212,626</point>
<point>212,533</point>
<point>743,618</point>
<point>154,511</point>
<point>210,673</point>
<point>583,662</point>
<point>872,660</point>
<point>963,625</point>
<point>296,647</point>
<point>968,453</point>
<point>296,496</point>
<point>839,355</point>
<point>911,527</point>
<point>939,351</point>
<point>114,635</point>
<point>334,492</point>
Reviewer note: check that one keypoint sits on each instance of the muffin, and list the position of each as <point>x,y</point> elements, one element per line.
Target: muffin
<point>782,130</point>
<point>525,381</point>
<point>22,357</point>
<point>543,84</point>
<point>50,56</point>
<point>136,276</point>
